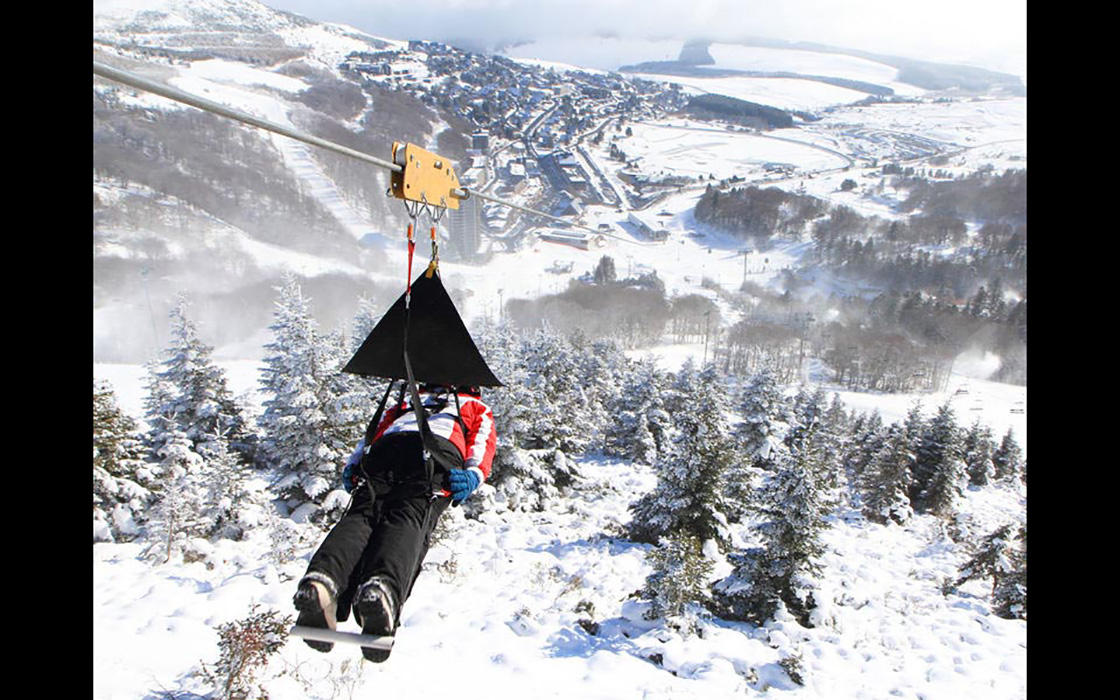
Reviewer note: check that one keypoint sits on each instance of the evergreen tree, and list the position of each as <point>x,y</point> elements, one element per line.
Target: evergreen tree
<point>1007,460</point>
<point>1009,589</point>
<point>605,271</point>
<point>978,448</point>
<point>300,441</point>
<point>1003,560</point>
<point>641,430</point>
<point>347,397</point>
<point>119,470</point>
<point>761,437</point>
<point>365,320</point>
<point>794,510</point>
<point>836,419</point>
<point>191,391</point>
<point>224,494</point>
<point>552,388</point>
<point>868,436</point>
<point>503,349</point>
<point>679,580</point>
<point>939,469</point>
<point>886,480</point>
<point>177,512</point>
<point>602,367</point>
<point>690,497</point>
<point>766,416</point>
<point>808,424</point>
<point>158,394</point>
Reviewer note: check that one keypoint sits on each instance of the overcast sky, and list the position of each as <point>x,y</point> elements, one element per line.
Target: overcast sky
<point>992,33</point>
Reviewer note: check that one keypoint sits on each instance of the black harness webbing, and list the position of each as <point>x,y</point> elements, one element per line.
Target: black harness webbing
<point>371,432</point>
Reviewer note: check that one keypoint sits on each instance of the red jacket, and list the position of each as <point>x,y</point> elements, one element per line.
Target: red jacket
<point>477,446</point>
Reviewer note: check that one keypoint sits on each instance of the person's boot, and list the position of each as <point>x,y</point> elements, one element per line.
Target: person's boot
<point>317,607</point>
<point>375,609</point>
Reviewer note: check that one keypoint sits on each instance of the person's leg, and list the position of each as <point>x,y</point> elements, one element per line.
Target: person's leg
<point>399,542</point>
<point>392,561</point>
<point>338,556</point>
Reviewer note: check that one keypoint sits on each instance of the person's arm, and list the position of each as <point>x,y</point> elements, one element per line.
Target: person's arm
<point>481,438</point>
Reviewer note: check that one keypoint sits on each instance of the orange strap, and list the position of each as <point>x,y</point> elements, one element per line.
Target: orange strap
<point>434,263</point>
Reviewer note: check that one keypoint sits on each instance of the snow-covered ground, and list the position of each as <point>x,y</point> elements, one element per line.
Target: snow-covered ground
<point>494,616</point>
<point>698,149</point>
<point>783,93</point>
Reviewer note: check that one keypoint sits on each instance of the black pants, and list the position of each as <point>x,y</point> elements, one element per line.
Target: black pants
<point>387,529</point>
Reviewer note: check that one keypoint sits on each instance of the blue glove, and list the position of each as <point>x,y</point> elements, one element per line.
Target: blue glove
<point>350,471</point>
<point>462,483</point>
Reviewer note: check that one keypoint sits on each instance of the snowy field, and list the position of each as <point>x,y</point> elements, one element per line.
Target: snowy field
<point>831,65</point>
<point>783,93</point>
<point>697,149</point>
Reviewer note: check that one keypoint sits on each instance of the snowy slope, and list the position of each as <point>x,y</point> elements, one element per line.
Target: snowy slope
<point>493,616</point>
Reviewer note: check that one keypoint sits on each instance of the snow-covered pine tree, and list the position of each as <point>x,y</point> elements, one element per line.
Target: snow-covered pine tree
<point>177,510</point>
<point>298,438</point>
<point>538,415</point>
<point>978,448</point>
<point>939,469</point>
<point>1009,590</point>
<point>347,396</point>
<point>642,426</point>
<point>766,415</point>
<point>1001,557</point>
<point>365,319</point>
<point>836,417</point>
<point>224,494</point>
<point>690,498</point>
<point>795,510</point>
<point>679,582</point>
<point>120,474</point>
<point>808,413</point>
<point>157,395</point>
<point>502,347</point>
<point>867,439</point>
<point>885,482</point>
<point>559,419</point>
<point>1008,458</point>
<point>602,367</point>
<point>761,436</point>
<point>192,390</point>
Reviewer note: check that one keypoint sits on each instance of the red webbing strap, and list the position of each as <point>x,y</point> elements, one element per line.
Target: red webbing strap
<point>411,247</point>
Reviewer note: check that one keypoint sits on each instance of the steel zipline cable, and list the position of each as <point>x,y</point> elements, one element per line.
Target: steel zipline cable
<point>163,90</point>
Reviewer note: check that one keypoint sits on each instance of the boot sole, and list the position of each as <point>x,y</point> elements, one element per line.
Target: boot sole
<point>376,623</point>
<point>311,615</point>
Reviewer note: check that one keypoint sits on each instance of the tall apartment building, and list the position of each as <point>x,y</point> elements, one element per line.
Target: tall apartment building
<point>465,228</point>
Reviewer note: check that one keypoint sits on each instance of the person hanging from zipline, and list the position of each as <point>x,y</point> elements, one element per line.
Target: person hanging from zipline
<point>401,482</point>
<point>433,447</point>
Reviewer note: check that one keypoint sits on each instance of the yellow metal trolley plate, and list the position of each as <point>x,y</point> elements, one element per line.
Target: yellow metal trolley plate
<point>427,177</point>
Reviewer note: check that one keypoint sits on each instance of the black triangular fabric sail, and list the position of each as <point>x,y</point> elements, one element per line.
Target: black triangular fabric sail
<point>439,346</point>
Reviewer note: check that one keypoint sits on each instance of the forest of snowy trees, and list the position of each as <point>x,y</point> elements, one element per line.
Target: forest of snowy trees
<point>747,468</point>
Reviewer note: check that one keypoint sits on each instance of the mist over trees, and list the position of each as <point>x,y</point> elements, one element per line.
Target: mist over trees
<point>632,311</point>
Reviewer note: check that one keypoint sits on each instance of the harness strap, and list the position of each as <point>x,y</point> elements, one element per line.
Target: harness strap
<point>371,431</point>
